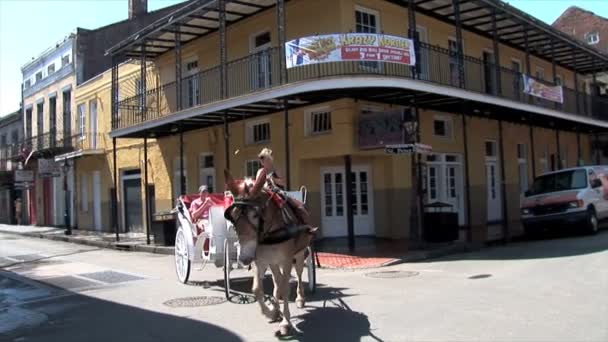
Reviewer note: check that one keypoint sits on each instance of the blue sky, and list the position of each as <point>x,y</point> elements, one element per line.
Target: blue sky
<point>28,27</point>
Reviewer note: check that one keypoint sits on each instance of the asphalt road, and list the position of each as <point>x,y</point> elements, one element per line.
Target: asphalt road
<point>549,290</point>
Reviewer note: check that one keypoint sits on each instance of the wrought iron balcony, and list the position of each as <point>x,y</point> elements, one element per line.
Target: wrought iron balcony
<point>260,71</point>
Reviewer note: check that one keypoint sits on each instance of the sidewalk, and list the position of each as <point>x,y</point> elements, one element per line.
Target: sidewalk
<point>128,241</point>
<point>331,253</point>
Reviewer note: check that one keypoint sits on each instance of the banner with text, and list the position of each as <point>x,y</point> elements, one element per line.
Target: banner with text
<point>538,89</point>
<point>368,47</point>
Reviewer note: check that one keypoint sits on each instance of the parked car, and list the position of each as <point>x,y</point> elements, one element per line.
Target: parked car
<point>571,196</point>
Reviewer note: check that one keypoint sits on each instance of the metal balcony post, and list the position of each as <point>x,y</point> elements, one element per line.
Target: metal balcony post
<point>527,48</point>
<point>578,146</point>
<point>497,78</point>
<point>465,140</point>
<point>178,67</point>
<point>532,150</point>
<point>224,76</point>
<point>142,72</point>
<point>282,40</point>
<point>116,192</point>
<point>559,150</point>
<point>411,12</point>
<point>456,7</point>
<point>576,81</point>
<point>182,180</point>
<point>554,67</point>
<point>146,192</point>
<point>505,212</point>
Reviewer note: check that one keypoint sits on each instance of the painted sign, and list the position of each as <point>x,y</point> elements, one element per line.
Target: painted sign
<point>538,89</point>
<point>48,168</point>
<point>369,47</point>
<point>24,176</point>
<point>408,149</point>
<point>379,128</point>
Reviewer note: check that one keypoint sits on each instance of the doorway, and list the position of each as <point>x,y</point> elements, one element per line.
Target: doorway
<point>333,201</point>
<point>261,62</point>
<point>132,201</point>
<point>489,66</point>
<point>493,188</point>
<point>444,183</point>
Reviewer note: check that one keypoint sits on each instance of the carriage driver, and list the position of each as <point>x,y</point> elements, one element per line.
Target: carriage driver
<point>199,209</point>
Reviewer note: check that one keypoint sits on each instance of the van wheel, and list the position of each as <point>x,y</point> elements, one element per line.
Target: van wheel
<point>592,223</point>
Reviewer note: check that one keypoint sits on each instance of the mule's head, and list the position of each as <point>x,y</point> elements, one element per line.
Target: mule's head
<point>246,214</point>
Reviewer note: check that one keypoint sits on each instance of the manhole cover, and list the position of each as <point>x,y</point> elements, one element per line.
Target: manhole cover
<point>392,274</point>
<point>480,276</point>
<point>111,277</point>
<point>189,302</point>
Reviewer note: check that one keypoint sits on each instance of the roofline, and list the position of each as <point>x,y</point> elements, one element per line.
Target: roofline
<point>178,14</point>
<point>10,118</point>
<point>49,50</point>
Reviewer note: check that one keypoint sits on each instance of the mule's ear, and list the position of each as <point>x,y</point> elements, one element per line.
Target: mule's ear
<point>259,183</point>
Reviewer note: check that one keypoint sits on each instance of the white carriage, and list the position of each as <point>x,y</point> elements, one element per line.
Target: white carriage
<point>218,243</point>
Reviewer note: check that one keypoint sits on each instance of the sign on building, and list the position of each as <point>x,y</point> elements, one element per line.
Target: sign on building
<point>369,47</point>
<point>24,176</point>
<point>408,149</point>
<point>543,91</point>
<point>378,128</point>
<point>49,168</point>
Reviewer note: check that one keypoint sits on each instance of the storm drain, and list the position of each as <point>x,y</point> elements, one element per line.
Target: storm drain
<point>190,302</point>
<point>111,277</point>
<point>69,282</point>
<point>392,274</point>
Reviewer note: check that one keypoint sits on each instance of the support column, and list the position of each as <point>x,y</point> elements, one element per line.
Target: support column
<point>146,192</point>
<point>578,147</point>
<point>559,150</point>
<point>597,149</point>
<point>578,105</point>
<point>505,212</point>
<point>497,78</point>
<point>456,7</point>
<point>178,67</point>
<point>287,145</point>
<point>224,76</point>
<point>411,13</point>
<point>416,228</point>
<point>282,40</point>
<point>532,151</point>
<point>182,180</point>
<point>553,67</point>
<point>467,181</point>
<point>142,72</point>
<point>116,192</point>
<point>527,48</point>
<point>349,207</point>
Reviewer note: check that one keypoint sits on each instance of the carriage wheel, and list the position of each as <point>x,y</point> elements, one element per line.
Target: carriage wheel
<point>311,267</point>
<point>182,262</point>
<point>227,268</point>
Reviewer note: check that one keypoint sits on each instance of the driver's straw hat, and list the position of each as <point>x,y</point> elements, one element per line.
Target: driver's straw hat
<point>203,188</point>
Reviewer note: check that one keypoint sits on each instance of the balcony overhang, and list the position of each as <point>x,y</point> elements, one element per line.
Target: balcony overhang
<point>397,91</point>
<point>79,154</point>
<point>198,18</point>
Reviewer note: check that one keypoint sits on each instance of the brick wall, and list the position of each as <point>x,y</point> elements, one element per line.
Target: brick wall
<point>578,22</point>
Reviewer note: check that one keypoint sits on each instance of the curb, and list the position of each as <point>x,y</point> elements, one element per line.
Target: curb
<point>119,246</point>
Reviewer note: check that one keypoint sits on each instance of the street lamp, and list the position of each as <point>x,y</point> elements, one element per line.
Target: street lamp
<point>66,214</point>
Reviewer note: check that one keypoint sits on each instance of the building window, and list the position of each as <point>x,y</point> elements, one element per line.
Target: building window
<point>84,193</point>
<point>207,171</point>
<point>65,60</point>
<point>318,122</point>
<point>15,135</point>
<point>491,149</point>
<point>177,191</point>
<point>38,76</point>
<point>258,132</point>
<point>28,83</point>
<point>51,69</point>
<point>442,127</point>
<point>193,94</point>
<point>366,20</point>
<point>559,80</point>
<point>592,38</point>
<point>262,39</point>
<point>252,168</point>
<point>522,161</point>
<point>82,119</point>
<point>3,140</point>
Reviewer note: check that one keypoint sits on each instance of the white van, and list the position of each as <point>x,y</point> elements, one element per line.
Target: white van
<point>570,196</point>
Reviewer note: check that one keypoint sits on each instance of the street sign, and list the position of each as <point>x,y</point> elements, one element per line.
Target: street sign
<point>23,185</point>
<point>24,176</point>
<point>408,149</point>
<point>48,168</point>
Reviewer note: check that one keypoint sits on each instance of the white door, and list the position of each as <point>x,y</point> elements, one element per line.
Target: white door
<point>192,82</point>
<point>333,209</point>
<point>97,200</point>
<point>362,201</point>
<point>493,191</point>
<point>423,53</point>
<point>261,60</point>
<point>333,201</point>
<point>453,190</point>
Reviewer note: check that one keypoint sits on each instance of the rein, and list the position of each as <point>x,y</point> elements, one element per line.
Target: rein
<point>277,236</point>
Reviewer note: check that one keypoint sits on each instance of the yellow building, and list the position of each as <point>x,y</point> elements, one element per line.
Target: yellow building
<point>212,98</point>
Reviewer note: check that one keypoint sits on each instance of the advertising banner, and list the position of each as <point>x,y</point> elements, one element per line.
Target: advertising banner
<point>538,89</point>
<point>370,47</point>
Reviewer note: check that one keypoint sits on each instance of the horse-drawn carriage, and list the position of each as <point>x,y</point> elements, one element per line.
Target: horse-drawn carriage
<point>218,243</point>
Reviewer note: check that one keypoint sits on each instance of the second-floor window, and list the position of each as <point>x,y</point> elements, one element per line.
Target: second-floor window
<point>3,140</point>
<point>258,132</point>
<point>65,60</point>
<point>38,76</point>
<point>82,119</point>
<point>442,127</point>
<point>252,168</point>
<point>319,122</point>
<point>192,84</point>
<point>592,38</point>
<point>15,136</point>
<point>367,21</point>
<point>51,69</point>
<point>28,83</point>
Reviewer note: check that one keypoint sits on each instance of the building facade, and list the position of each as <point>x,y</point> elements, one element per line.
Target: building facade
<point>211,87</point>
<point>11,132</point>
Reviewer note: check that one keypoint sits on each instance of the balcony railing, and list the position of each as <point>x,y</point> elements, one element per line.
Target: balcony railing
<point>260,71</point>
